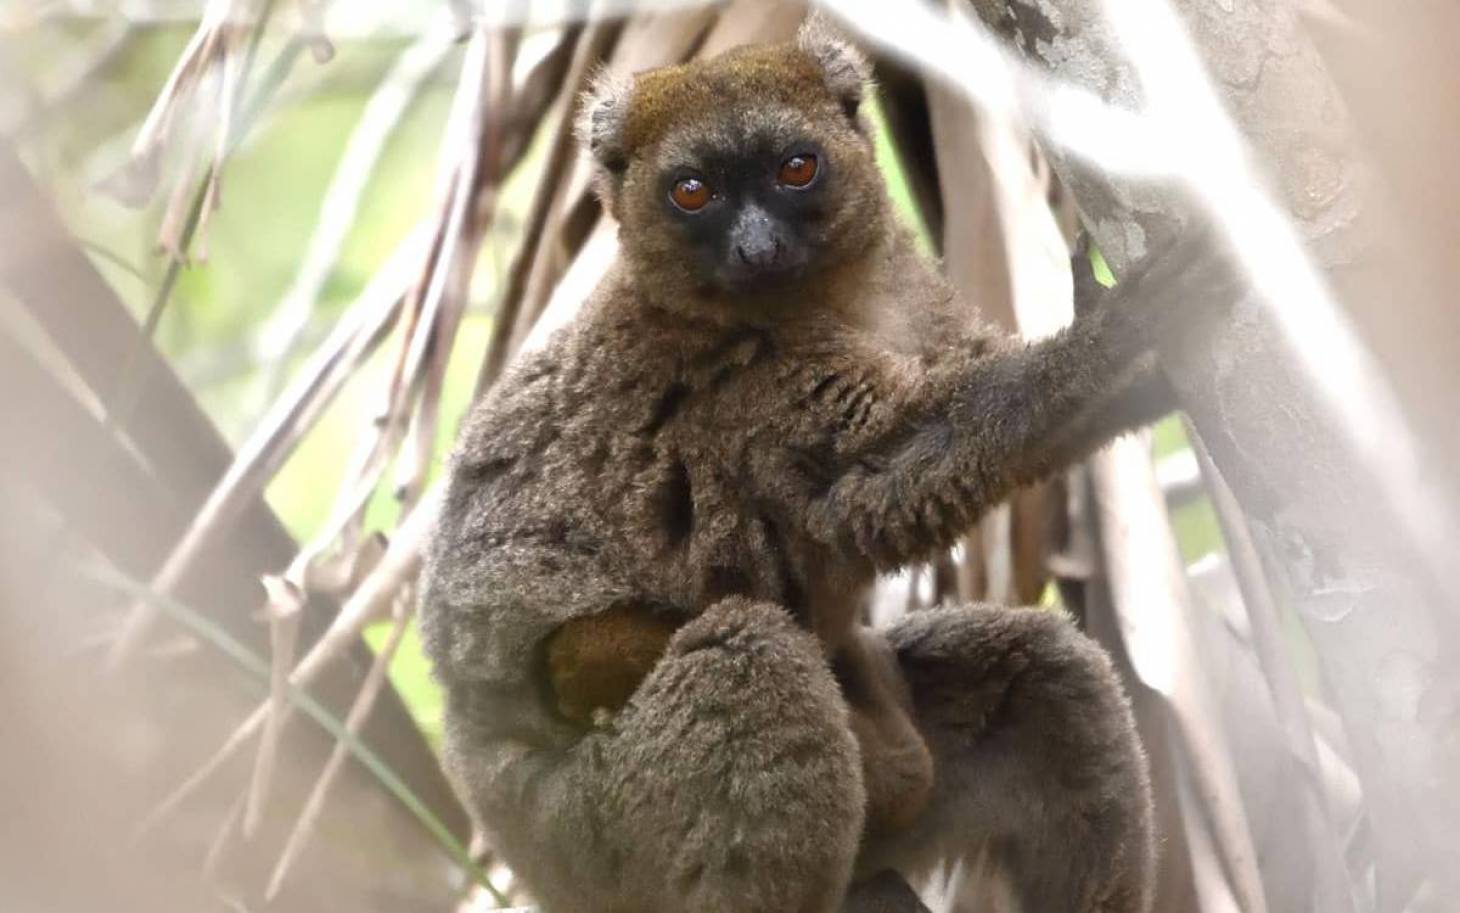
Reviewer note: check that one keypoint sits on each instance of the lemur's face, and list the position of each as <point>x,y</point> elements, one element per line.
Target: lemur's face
<point>742,174</point>
<point>752,214</point>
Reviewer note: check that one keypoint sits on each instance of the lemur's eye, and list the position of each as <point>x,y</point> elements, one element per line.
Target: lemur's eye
<point>798,170</point>
<point>690,194</point>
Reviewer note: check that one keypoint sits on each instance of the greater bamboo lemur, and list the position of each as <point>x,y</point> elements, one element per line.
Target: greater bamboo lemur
<point>644,594</point>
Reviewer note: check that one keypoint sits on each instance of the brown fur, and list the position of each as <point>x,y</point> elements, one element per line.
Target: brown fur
<point>739,467</point>
<point>665,99</point>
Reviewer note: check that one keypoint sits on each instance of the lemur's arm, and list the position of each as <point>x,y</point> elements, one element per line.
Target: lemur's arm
<point>948,446</point>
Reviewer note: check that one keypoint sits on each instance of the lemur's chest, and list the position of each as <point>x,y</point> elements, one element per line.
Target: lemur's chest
<point>723,481</point>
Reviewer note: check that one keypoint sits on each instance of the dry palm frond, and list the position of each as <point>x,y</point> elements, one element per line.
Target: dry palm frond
<point>280,332</point>
<point>588,48</point>
<point>261,456</point>
<point>374,595</point>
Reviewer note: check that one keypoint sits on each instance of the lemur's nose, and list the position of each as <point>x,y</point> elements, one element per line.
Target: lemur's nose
<point>759,255</point>
<point>754,238</point>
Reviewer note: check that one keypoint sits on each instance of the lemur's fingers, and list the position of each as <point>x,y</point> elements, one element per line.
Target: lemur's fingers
<point>1195,263</point>
<point>1185,277</point>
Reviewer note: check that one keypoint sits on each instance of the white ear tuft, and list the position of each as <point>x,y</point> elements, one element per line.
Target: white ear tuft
<point>845,69</point>
<point>601,119</point>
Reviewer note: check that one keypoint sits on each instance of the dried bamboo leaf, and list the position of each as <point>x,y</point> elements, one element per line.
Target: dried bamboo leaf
<point>285,424</point>
<point>1268,776</point>
<point>220,50</point>
<point>537,86</point>
<point>397,567</point>
<point>1332,889</point>
<point>590,46</point>
<point>437,301</point>
<point>279,333</point>
<point>185,206</point>
<point>1213,890</point>
<point>471,123</point>
<point>1154,607</point>
<point>481,185</point>
<point>237,652</point>
<point>973,242</point>
<point>136,182</point>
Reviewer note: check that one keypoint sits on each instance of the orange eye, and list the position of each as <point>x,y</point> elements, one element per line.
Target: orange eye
<point>690,194</point>
<point>798,170</point>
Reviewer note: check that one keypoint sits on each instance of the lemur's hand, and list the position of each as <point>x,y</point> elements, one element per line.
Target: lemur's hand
<point>1183,281</point>
<point>595,663</point>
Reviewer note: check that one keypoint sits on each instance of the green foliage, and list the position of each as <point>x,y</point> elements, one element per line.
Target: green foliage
<point>895,174</point>
<point>1100,268</point>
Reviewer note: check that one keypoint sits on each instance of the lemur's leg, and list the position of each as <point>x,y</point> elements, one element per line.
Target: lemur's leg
<point>729,783</point>
<point>897,770</point>
<point>1036,760</point>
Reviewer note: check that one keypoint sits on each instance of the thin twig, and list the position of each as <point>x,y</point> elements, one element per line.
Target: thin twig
<point>354,720</point>
<point>209,49</point>
<point>128,387</point>
<point>398,567</point>
<point>286,605</point>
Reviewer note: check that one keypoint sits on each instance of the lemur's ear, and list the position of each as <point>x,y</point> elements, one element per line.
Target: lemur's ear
<point>602,116</point>
<point>845,69</point>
